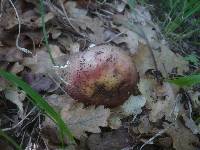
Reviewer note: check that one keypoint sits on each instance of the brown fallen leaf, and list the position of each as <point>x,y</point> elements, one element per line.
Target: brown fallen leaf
<point>183,139</point>
<point>82,119</point>
<point>30,18</point>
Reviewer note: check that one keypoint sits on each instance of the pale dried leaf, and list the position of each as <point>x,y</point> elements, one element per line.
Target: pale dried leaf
<point>130,38</point>
<point>41,62</point>
<point>59,101</point>
<point>92,27</point>
<point>161,99</point>
<point>183,139</point>
<point>133,105</point>
<point>82,119</point>
<point>166,60</point>
<point>143,59</point>
<point>96,26</point>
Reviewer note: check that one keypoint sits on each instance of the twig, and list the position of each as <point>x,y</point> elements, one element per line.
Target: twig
<point>19,31</point>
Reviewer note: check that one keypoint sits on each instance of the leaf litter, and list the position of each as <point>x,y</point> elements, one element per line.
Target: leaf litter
<point>154,110</point>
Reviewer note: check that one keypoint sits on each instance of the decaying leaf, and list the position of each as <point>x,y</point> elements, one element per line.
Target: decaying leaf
<point>183,139</point>
<point>82,119</point>
<point>161,99</point>
<point>133,106</point>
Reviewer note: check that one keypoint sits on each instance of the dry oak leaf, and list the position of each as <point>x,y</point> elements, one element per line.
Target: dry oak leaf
<point>166,60</point>
<point>82,119</point>
<point>161,99</point>
<point>130,38</point>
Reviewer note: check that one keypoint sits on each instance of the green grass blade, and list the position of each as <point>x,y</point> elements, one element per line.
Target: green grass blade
<point>40,102</point>
<point>192,10</point>
<point>10,140</point>
<point>186,81</point>
<point>45,32</point>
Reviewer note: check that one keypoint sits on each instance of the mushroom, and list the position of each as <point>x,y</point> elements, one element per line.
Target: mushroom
<point>102,75</point>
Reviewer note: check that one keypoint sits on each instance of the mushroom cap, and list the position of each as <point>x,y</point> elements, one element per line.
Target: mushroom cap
<point>102,75</point>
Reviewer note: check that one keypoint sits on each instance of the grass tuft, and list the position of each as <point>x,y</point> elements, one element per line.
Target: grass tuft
<point>180,12</point>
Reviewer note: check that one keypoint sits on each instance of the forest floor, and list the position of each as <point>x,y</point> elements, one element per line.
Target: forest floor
<point>159,115</point>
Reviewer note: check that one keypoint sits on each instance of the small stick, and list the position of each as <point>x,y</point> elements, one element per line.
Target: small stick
<point>19,31</point>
